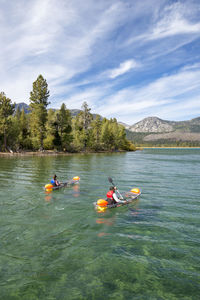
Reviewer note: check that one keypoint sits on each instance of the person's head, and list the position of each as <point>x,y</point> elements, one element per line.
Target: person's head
<point>55,177</point>
<point>112,188</point>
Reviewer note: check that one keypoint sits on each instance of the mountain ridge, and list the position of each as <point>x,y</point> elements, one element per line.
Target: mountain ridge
<point>74,112</point>
<point>154,130</point>
<point>155,124</point>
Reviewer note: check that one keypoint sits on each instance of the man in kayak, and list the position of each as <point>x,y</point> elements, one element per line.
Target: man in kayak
<point>112,197</point>
<point>55,181</point>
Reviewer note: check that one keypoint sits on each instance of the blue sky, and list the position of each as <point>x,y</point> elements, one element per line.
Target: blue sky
<point>128,59</point>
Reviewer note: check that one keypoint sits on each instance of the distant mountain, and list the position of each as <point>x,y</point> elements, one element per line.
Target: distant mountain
<point>154,130</point>
<point>152,124</point>
<point>156,125</point>
<point>174,136</point>
<point>125,125</point>
<point>21,106</point>
<point>74,112</point>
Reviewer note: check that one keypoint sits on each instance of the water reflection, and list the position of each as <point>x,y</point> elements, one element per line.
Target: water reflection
<point>105,223</point>
<point>76,190</point>
<point>48,196</point>
<point>108,222</point>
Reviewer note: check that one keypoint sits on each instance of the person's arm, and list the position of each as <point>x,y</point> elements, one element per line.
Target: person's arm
<point>117,199</point>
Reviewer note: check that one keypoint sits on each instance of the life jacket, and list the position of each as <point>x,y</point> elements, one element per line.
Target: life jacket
<point>110,195</point>
<point>53,182</point>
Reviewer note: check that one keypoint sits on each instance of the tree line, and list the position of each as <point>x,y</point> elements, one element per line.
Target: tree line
<point>49,129</point>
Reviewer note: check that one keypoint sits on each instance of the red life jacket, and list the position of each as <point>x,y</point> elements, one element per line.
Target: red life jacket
<point>110,195</point>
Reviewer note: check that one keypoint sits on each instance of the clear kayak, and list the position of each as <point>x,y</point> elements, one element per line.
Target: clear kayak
<point>50,187</point>
<point>101,205</point>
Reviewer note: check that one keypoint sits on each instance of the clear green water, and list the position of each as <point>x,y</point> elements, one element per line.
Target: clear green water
<point>56,246</point>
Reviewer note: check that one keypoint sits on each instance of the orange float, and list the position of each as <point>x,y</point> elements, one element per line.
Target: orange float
<point>48,186</point>
<point>102,202</point>
<point>76,178</point>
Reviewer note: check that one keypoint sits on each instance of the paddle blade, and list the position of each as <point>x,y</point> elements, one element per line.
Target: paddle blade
<point>110,180</point>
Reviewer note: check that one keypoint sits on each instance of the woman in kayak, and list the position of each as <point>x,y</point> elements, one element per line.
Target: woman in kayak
<point>112,197</point>
<point>55,181</point>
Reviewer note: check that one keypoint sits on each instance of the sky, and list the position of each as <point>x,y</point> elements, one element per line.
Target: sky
<point>128,59</point>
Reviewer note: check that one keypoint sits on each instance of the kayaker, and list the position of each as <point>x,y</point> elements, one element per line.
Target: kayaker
<point>112,197</point>
<point>55,181</point>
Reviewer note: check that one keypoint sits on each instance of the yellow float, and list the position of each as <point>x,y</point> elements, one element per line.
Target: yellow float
<point>135,191</point>
<point>76,178</point>
<point>101,209</point>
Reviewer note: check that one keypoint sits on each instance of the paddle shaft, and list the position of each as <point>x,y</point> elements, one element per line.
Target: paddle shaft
<point>111,181</point>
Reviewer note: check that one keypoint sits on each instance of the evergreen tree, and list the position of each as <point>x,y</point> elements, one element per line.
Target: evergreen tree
<point>50,130</point>
<point>6,110</point>
<point>81,129</point>
<point>105,134</point>
<point>113,134</point>
<point>64,126</point>
<point>96,125</point>
<point>86,119</point>
<point>59,128</point>
<point>121,137</point>
<point>38,105</point>
<point>78,133</point>
<point>14,130</point>
<point>24,138</point>
<point>18,113</point>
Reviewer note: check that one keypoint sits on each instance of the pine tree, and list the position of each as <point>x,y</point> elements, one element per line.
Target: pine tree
<point>50,130</point>
<point>14,130</point>
<point>95,134</point>
<point>38,105</point>
<point>24,138</point>
<point>86,119</point>
<point>6,110</point>
<point>78,133</point>
<point>64,126</point>
<point>105,134</point>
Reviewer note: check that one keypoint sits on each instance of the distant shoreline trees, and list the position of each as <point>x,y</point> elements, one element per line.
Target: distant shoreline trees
<point>56,130</point>
<point>6,111</point>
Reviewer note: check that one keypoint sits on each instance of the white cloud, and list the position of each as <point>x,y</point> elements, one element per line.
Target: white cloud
<point>161,95</point>
<point>168,97</point>
<point>124,67</point>
<point>73,44</point>
<point>173,23</point>
<point>170,29</point>
<point>49,35</point>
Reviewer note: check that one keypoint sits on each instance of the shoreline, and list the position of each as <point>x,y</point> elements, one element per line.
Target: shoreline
<point>141,148</point>
<point>54,153</point>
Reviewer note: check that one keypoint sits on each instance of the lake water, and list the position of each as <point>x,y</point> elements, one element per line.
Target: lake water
<point>56,246</point>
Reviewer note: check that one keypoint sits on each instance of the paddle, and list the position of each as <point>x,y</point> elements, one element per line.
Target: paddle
<point>111,181</point>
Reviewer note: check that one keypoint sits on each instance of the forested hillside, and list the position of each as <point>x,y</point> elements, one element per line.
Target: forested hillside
<point>153,131</point>
<point>50,129</point>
